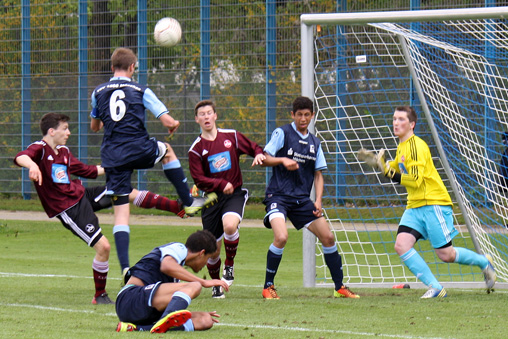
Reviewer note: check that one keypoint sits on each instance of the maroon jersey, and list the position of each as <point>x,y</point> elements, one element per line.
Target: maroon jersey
<point>58,192</point>
<point>214,163</point>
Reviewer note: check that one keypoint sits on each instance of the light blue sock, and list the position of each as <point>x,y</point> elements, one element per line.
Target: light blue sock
<point>420,269</point>
<point>464,256</point>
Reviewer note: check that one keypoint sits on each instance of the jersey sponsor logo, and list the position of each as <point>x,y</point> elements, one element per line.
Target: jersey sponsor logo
<point>312,149</point>
<point>50,158</point>
<point>89,228</point>
<point>149,287</point>
<point>59,174</point>
<point>273,206</point>
<point>290,151</point>
<point>402,158</point>
<point>219,162</point>
<point>227,143</point>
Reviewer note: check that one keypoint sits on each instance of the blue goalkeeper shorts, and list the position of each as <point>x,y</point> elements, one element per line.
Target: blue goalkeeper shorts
<point>433,222</point>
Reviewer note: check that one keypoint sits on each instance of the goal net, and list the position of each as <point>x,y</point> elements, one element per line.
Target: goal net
<point>452,68</point>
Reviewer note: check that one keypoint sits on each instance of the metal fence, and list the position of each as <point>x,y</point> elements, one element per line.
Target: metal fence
<point>243,54</point>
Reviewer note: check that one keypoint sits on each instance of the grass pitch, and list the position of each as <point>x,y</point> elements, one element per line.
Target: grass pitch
<point>46,289</point>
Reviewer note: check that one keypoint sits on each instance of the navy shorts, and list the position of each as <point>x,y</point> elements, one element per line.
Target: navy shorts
<point>226,204</point>
<point>81,220</point>
<point>299,211</point>
<point>118,179</point>
<point>134,304</point>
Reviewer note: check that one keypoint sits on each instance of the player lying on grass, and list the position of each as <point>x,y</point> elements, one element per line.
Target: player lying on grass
<point>155,300</point>
<point>298,161</point>
<point>428,214</point>
<point>51,165</point>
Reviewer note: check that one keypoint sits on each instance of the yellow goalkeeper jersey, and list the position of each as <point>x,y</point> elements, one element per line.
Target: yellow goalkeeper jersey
<point>419,175</point>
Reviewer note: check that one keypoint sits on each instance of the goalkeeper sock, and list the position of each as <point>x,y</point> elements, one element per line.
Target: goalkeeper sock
<point>334,263</point>
<point>273,258</point>
<point>121,234</point>
<point>420,269</point>
<point>174,172</point>
<point>464,256</point>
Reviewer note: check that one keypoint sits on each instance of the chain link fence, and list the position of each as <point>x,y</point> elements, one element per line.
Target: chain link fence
<point>243,54</point>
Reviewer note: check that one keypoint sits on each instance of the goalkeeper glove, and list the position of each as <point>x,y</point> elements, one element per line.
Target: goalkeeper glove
<point>379,161</point>
<point>385,168</point>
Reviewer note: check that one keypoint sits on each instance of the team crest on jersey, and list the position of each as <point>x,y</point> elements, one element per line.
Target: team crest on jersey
<point>219,162</point>
<point>402,158</point>
<point>89,228</point>
<point>227,143</point>
<point>290,151</point>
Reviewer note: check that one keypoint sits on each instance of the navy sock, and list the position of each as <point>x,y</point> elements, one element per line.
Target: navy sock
<point>180,301</point>
<point>334,263</point>
<point>121,234</point>
<point>273,259</point>
<point>174,172</point>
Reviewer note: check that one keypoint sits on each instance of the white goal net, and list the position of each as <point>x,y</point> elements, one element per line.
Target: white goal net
<point>453,68</point>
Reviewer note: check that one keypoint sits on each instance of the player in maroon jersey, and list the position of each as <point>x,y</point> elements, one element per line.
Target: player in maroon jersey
<point>50,165</point>
<point>214,165</point>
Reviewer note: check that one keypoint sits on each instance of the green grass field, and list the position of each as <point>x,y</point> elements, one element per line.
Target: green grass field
<point>46,289</point>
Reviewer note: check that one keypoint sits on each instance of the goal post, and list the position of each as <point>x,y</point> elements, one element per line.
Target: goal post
<point>452,66</point>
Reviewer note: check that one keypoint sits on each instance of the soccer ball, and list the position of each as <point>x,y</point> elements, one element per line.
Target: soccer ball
<point>167,32</point>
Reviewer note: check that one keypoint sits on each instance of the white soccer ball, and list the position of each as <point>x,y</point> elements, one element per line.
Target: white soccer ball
<point>167,32</point>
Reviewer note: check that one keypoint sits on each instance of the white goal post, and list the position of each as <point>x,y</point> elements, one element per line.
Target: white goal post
<point>452,66</point>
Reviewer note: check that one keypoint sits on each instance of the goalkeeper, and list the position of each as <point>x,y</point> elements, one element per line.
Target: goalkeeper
<point>428,214</point>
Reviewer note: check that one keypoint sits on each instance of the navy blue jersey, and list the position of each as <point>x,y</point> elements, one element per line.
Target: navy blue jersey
<point>303,150</point>
<point>148,268</point>
<point>120,104</point>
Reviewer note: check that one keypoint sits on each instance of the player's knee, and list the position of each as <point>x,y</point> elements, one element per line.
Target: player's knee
<point>446,254</point>
<point>400,247</point>
<point>194,289</point>
<point>280,240</point>
<point>327,239</point>
<point>170,155</point>
<point>103,247</point>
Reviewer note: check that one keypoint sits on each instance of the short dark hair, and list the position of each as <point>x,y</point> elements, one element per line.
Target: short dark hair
<point>51,120</point>
<point>203,103</point>
<point>303,103</point>
<point>411,113</point>
<point>122,58</point>
<point>201,240</point>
